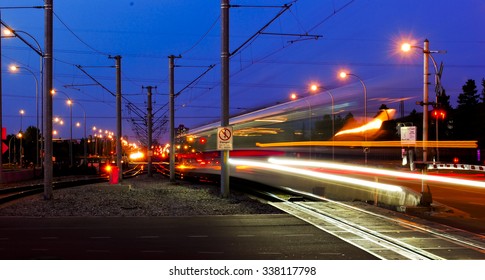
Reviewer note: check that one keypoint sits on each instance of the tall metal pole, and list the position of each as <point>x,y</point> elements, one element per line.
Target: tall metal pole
<point>119,151</point>
<point>149,128</point>
<point>425,98</point>
<point>71,156</point>
<point>333,124</point>
<point>171,102</point>
<point>48,57</point>
<point>1,105</point>
<point>225,92</point>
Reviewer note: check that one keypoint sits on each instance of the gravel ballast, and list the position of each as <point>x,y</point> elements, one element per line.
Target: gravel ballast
<point>139,196</point>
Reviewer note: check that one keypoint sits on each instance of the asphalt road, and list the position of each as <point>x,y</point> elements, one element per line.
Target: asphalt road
<point>239,237</point>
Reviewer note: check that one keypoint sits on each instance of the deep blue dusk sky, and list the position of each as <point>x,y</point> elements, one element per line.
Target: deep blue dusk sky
<point>360,36</point>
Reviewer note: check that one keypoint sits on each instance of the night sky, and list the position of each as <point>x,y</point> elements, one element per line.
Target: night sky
<point>361,36</point>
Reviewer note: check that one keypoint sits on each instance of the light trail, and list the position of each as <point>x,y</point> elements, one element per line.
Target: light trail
<point>344,143</point>
<point>315,174</point>
<point>377,171</point>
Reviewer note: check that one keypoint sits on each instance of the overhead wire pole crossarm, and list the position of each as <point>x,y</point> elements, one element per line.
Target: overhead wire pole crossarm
<point>22,7</point>
<point>96,81</point>
<point>284,9</point>
<point>195,80</point>
<point>292,34</point>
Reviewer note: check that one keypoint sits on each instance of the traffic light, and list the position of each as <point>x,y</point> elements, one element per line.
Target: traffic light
<point>438,114</point>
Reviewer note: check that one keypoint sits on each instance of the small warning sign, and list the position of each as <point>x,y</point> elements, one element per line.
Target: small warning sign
<point>224,138</point>
<point>408,135</point>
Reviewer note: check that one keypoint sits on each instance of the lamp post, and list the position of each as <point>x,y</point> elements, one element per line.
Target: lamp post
<point>15,68</point>
<point>69,103</point>
<point>314,88</point>
<point>344,75</point>
<point>85,148</point>
<point>406,47</point>
<point>294,96</point>
<point>21,112</point>
<point>10,149</point>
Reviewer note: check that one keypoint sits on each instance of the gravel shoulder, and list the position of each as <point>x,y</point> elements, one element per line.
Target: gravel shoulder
<point>139,196</point>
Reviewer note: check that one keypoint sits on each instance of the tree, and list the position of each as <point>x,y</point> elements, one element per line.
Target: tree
<point>468,117</point>
<point>483,90</point>
<point>469,97</point>
<point>29,144</point>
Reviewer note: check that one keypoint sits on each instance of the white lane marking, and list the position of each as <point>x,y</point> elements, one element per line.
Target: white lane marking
<point>245,235</point>
<point>197,236</point>
<point>148,237</point>
<point>298,235</point>
<point>210,253</point>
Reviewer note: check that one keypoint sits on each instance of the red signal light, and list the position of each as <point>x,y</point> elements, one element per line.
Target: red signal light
<point>438,114</point>
<point>202,140</point>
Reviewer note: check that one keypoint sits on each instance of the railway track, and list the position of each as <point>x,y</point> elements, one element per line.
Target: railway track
<point>17,192</point>
<point>385,234</point>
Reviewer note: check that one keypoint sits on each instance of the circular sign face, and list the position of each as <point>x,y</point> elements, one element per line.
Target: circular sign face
<point>225,134</point>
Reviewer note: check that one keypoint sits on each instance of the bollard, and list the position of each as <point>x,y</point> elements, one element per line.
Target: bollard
<point>113,175</point>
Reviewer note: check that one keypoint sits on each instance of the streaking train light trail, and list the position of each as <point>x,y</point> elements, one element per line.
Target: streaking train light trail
<point>376,171</point>
<point>315,174</point>
<point>349,143</point>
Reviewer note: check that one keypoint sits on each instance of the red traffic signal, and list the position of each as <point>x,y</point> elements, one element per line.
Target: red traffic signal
<point>438,114</point>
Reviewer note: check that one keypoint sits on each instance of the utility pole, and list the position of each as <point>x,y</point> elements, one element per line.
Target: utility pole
<point>425,99</point>
<point>225,92</point>
<point>119,150</point>
<point>48,57</point>
<point>1,105</point>
<point>171,103</point>
<point>150,129</point>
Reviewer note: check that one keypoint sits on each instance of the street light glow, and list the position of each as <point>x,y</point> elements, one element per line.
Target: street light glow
<point>406,47</point>
<point>343,75</point>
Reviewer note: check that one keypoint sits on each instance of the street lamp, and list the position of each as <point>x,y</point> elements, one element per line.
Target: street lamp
<point>21,112</point>
<point>406,47</point>
<point>344,75</point>
<point>85,138</point>
<point>315,88</point>
<point>69,103</point>
<point>15,68</point>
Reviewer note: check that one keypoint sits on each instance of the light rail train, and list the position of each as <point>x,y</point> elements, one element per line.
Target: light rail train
<point>304,129</point>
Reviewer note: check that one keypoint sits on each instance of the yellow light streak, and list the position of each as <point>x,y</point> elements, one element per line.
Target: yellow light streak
<point>345,143</point>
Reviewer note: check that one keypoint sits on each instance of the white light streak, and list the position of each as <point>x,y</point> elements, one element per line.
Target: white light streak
<point>377,171</point>
<point>316,174</point>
